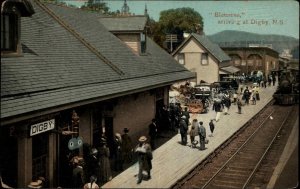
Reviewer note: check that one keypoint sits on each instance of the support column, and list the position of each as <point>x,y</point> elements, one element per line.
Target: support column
<point>52,160</point>
<point>24,161</point>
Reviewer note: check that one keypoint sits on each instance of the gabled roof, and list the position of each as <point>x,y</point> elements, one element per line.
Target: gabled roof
<point>121,24</point>
<point>70,59</point>
<point>212,48</point>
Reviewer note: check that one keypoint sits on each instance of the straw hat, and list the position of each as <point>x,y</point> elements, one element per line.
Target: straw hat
<point>36,184</point>
<point>142,139</point>
<point>94,151</point>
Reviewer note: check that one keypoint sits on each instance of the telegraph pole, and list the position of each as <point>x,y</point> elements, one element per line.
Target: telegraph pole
<point>171,38</point>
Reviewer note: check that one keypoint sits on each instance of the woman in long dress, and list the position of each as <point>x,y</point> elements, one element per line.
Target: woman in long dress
<point>103,155</point>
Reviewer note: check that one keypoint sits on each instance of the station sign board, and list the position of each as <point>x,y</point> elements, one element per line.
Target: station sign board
<point>42,127</point>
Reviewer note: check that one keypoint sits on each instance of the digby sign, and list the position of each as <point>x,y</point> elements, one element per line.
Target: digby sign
<point>42,127</point>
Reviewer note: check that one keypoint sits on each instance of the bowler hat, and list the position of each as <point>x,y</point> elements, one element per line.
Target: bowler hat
<point>142,139</point>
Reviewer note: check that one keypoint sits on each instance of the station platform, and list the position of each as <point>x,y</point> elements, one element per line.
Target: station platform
<point>172,161</point>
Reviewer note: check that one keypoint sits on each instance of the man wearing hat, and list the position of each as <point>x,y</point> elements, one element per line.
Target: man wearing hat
<point>126,146</point>
<point>144,154</point>
<point>153,133</point>
<point>202,135</point>
<point>183,130</point>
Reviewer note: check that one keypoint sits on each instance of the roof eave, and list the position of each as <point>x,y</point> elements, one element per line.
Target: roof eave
<point>32,114</point>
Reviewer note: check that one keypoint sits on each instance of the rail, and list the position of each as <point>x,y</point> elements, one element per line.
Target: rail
<point>242,147</point>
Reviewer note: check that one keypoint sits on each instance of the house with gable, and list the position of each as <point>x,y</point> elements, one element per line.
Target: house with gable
<point>206,59</point>
<point>66,80</point>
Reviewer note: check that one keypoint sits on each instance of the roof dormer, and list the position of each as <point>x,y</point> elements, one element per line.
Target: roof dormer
<point>129,29</point>
<point>11,13</point>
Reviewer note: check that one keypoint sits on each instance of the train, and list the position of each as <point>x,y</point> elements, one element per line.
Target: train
<point>287,92</point>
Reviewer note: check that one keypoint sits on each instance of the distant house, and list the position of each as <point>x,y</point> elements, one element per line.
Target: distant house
<point>57,62</point>
<point>249,59</point>
<point>198,54</point>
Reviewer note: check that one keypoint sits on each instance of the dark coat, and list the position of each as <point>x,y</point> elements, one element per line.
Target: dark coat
<point>217,106</point>
<point>187,116</point>
<point>77,177</point>
<point>183,126</point>
<point>211,126</point>
<point>152,130</point>
<point>126,143</point>
<point>227,102</point>
<point>145,156</point>
<point>105,171</point>
<point>247,94</point>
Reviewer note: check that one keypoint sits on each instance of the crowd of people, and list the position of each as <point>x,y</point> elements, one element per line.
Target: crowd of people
<point>248,94</point>
<point>94,170</point>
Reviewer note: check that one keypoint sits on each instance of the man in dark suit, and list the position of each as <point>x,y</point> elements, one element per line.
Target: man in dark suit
<point>153,133</point>
<point>217,106</point>
<point>183,130</point>
<point>187,115</point>
<point>202,135</point>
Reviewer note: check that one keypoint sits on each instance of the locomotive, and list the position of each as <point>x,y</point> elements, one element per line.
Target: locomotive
<point>287,92</point>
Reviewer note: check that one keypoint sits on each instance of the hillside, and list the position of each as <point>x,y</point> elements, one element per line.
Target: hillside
<point>240,38</point>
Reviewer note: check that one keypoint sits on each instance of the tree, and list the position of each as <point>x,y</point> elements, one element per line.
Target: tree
<point>96,6</point>
<point>176,21</point>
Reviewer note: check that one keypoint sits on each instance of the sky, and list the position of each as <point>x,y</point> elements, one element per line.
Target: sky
<point>262,17</point>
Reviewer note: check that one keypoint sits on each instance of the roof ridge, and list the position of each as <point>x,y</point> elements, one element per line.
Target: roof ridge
<point>81,39</point>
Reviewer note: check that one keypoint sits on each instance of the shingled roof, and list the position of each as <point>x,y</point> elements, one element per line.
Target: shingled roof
<point>129,23</point>
<point>211,47</point>
<point>71,59</point>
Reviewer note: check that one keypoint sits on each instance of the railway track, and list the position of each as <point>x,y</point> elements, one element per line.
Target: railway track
<point>241,159</point>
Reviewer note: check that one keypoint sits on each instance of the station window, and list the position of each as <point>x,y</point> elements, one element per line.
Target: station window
<point>143,43</point>
<point>9,32</point>
<point>204,58</point>
<point>181,58</point>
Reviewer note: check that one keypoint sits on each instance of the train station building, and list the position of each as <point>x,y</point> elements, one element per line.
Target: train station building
<point>257,58</point>
<point>61,66</point>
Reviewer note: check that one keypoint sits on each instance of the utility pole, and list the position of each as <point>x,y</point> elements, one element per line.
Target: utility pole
<point>171,38</point>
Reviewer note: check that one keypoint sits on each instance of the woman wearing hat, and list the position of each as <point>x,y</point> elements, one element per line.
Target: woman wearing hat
<point>144,154</point>
<point>103,155</point>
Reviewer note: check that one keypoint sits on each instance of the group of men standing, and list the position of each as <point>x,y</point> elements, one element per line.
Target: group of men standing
<point>196,129</point>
